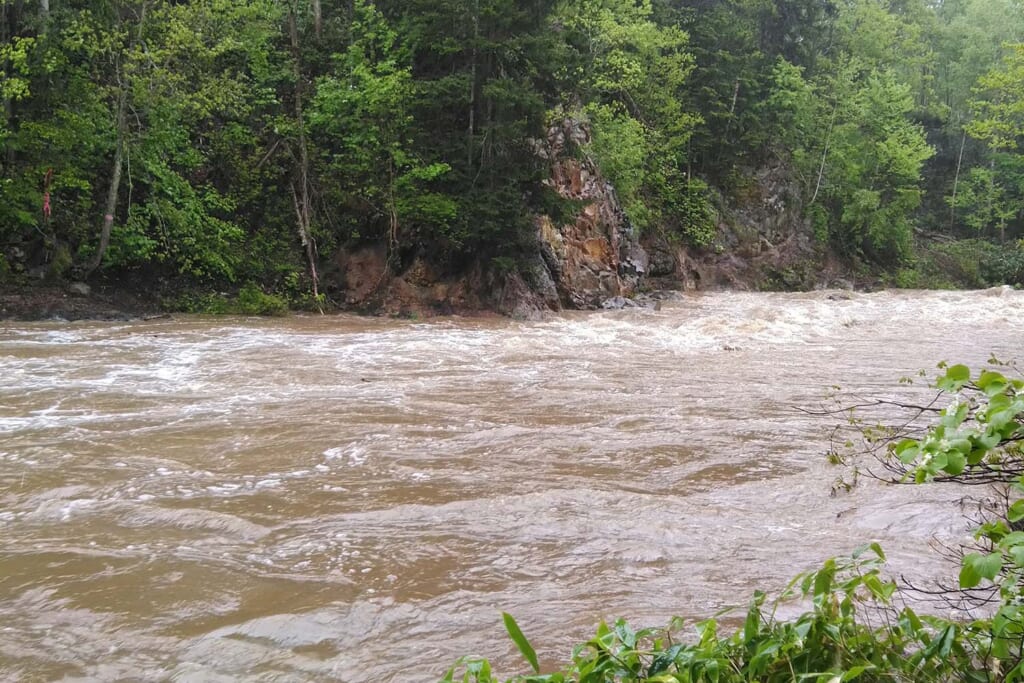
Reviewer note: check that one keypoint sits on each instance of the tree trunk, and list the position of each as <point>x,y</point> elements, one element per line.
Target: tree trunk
<point>302,216</point>
<point>8,118</point>
<point>115,183</point>
<point>992,190</point>
<point>392,214</point>
<point>472,86</point>
<point>301,194</point>
<point>956,182</point>
<point>824,153</point>
<point>318,17</point>
<point>44,8</point>
<point>121,129</point>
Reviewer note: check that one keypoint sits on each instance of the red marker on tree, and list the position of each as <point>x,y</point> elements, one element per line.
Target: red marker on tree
<point>46,193</point>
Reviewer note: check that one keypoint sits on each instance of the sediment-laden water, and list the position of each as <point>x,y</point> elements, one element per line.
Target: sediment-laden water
<point>356,499</point>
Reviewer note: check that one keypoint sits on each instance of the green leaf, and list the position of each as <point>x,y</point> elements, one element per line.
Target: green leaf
<point>520,640</point>
<point>910,622</point>
<point>955,378</point>
<point>977,567</point>
<point>1001,418</point>
<point>976,456</point>
<point>946,640</point>
<point>989,440</point>
<point>969,577</point>
<point>992,383</point>
<point>751,624</point>
<point>882,591</point>
<point>823,579</point>
<point>1016,511</point>
<point>664,660</point>
<point>989,565</point>
<point>625,634</point>
<point>956,463</point>
<point>854,672</point>
<point>907,451</point>
<point>1011,539</point>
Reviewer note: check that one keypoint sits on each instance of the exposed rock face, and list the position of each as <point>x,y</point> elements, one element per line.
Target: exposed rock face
<point>597,255</point>
<point>764,241</point>
<point>581,264</point>
<point>594,259</point>
<point>361,279</point>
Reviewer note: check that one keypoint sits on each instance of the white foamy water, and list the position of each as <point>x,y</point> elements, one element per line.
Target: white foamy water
<point>360,499</point>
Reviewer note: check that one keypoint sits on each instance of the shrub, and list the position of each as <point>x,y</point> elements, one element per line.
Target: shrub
<point>695,214</point>
<point>1004,266</point>
<point>254,301</point>
<point>209,304</point>
<point>971,264</point>
<point>251,300</point>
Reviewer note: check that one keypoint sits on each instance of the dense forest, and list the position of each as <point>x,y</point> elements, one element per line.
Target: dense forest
<point>222,143</point>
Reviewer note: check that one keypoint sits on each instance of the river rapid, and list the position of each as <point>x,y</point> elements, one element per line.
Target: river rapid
<point>353,499</point>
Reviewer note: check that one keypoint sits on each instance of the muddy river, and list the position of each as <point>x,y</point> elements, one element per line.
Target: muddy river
<point>352,499</point>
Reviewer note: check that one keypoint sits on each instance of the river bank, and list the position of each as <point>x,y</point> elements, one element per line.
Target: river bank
<point>358,282</point>
<point>75,301</point>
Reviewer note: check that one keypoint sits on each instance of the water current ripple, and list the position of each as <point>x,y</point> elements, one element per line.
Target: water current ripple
<point>358,499</point>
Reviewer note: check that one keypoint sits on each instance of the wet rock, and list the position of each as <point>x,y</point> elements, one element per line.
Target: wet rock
<point>79,289</point>
<point>538,276</point>
<point>634,258</point>
<point>617,303</point>
<point>516,299</point>
<point>1001,290</point>
<point>654,300</point>
<point>662,262</point>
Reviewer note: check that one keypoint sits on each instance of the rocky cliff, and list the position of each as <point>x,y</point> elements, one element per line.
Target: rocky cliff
<point>577,263</point>
<point>764,241</point>
<point>594,257</point>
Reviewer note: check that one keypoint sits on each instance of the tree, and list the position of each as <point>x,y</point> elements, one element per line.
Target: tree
<point>999,123</point>
<point>361,118</point>
<point>628,75</point>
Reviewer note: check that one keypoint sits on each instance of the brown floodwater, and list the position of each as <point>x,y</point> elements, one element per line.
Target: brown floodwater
<point>353,499</point>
